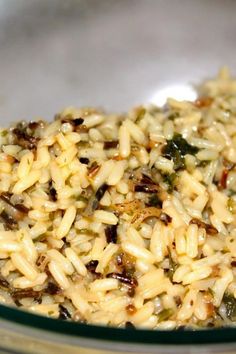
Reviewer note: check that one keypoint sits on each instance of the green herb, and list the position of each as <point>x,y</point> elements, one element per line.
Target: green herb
<point>41,237</point>
<point>3,133</point>
<point>227,111</point>
<point>4,283</point>
<point>176,149</point>
<point>140,114</point>
<point>230,304</point>
<point>154,109</point>
<point>170,180</point>
<point>80,198</point>
<point>83,144</point>
<point>203,163</point>
<point>165,314</point>
<point>174,115</point>
<point>231,192</point>
<point>231,205</point>
<point>154,201</point>
<point>172,268</point>
<point>211,292</point>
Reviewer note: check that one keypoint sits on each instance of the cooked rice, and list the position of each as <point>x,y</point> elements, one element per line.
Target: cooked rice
<point>124,220</point>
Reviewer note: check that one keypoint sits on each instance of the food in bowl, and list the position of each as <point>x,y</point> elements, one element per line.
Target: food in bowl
<point>124,220</point>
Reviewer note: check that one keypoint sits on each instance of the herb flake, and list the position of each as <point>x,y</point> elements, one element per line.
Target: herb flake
<point>176,149</point>
<point>230,305</point>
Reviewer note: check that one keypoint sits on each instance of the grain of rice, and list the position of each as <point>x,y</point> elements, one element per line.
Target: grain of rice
<point>133,236</point>
<point>25,165</point>
<point>168,129</point>
<point>138,252</point>
<point>24,266</point>
<point>203,144</point>
<point>180,273</point>
<point>7,268</point>
<point>152,284</point>
<point>58,274</point>
<point>45,310</point>
<point>143,267</point>
<point>135,132</point>
<point>98,247</point>
<point>180,240</point>
<point>67,156</point>
<point>10,246</point>
<point>54,243</point>
<point>166,325</point>
<point>79,301</point>
<point>103,174</point>
<point>63,141</point>
<point>66,222</point>
<point>188,306</point>
<point>106,256</point>
<point>145,230</point>
<point>221,284</point>
<point>38,215</point>
<point>207,261</point>
<point>105,217</point>
<point>25,183</point>
<point>28,247</point>
<point>143,314</point>
<point>116,173</point>
<point>219,207</point>
<point>122,187</point>
<point>5,167</point>
<point>157,243</point>
<point>74,138</point>
<point>192,241</point>
<point>143,156</point>
<point>25,283</point>
<point>169,209</point>
<point>93,120</point>
<point>7,235</point>
<point>192,185</point>
<point>218,224</point>
<point>104,285</point>
<point>165,165</point>
<point>207,154</point>
<point>197,274</point>
<point>64,263</point>
<point>200,310</point>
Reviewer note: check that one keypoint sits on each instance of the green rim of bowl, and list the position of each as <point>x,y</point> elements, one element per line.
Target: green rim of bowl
<point>79,330</point>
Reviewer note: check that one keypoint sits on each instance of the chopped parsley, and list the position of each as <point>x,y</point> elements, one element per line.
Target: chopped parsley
<point>172,268</point>
<point>170,180</point>
<point>230,305</point>
<point>155,201</point>
<point>165,315</point>
<point>140,114</point>
<point>4,133</point>
<point>176,149</point>
<point>203,163</point>
<point>173,116</point>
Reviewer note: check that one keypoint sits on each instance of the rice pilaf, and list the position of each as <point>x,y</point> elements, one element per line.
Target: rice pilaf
<point>124,220</point>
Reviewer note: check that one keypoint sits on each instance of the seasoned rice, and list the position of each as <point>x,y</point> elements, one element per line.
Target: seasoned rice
<point>124,220</point>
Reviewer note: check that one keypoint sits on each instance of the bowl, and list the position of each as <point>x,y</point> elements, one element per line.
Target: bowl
<point>112,54</point>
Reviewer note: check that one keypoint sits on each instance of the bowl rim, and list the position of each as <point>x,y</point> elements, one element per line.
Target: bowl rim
<point>119,335</point>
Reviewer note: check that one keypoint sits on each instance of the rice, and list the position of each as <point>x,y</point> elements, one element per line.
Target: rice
<point>124,141</point>
<point>124,220</point>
